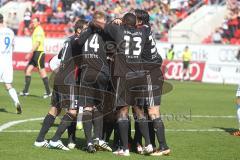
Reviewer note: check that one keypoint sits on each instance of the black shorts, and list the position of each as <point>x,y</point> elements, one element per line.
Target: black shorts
<point>92,88</point>
<point>38,59</point>
<point>185,64</point>
<point>64,96</point>
<point>138,89</point>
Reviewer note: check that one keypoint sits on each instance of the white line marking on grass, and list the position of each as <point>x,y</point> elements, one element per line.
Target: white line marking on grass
<point>200,116</point>
<point>208,116</point>
<point>13,123</point>
<point>168,130</point>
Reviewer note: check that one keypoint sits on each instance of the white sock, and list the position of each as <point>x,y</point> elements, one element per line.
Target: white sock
<point>238,115</point>
<point>13,94</point>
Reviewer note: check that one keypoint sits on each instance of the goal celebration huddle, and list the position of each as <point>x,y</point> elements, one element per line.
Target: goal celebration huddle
<point>102,72</point>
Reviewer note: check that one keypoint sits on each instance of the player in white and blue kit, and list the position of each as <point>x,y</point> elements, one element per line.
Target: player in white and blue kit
<point>6,68</point>
<point>237,133</point>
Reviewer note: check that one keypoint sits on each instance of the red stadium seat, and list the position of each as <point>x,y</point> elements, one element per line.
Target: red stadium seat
<point>233,41</point>
<point>237,34</point>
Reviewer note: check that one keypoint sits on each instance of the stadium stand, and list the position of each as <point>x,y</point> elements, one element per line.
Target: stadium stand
<point>164,14</point>
<point>229,31</point>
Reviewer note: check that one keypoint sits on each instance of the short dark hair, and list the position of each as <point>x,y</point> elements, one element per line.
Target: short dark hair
<point>1,18</point>
<point>98,14</point>
<point>142,15</point>
<point>79,24</point>
<point>129,19</point>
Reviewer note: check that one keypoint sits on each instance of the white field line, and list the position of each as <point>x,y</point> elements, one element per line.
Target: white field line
<point>13,123</point>
<point>168,130</point>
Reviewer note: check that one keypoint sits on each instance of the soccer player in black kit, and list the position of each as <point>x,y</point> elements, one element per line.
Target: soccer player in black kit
<point>152,62</point>
<point>130,41</point>
<point>69,88</point>
<point>61,89</point>
<point>94,78</point>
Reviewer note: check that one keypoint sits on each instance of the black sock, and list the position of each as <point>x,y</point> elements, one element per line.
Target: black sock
<point>65,123</point>
<point>143,127</point>
<point>87,125</point>
<point>47,123</point>
<point>46,85</point>
<point>72,132</point>
<point>152,134</point>
<point>130,139</point>
<point>123,129</point>
<point>98,124</point>
<point>116,137</point>
<point>27,84</point>
<point>137,135</point>
<point>108,128</point>
<point>160,132</point>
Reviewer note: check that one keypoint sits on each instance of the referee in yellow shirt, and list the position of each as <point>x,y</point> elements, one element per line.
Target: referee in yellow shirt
<point>36,59</point>
<point>186,57</point>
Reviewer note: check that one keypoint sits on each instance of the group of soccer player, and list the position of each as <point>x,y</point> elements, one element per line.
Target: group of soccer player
<point>106,68</point>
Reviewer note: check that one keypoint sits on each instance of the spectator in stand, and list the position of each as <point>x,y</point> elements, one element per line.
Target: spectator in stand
<point>9,20</point>
<point>76,7</point>
<point>163,14</point>
<point>217,37</point>
<point>27,18</point>
<point>58,17</point>
<point>14,22</point>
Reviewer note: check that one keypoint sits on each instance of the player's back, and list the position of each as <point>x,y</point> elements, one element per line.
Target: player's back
<point>6,45</point>
<point>130,42</point>
<point>94,54</point>
<point>66,72</point>
<point>150,53</point>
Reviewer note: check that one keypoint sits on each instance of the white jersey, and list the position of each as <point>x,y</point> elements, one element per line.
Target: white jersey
<point>238,91</point>
<point>6,45</point>
<point>6,49</point>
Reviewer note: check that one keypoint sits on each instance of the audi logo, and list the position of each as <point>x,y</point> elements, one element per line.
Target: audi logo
<point>174,70</point>
<point>227,55</point>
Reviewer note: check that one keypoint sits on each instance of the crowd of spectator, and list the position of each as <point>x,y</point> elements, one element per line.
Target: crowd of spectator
<point>164,14</point>
<point>229,31</point>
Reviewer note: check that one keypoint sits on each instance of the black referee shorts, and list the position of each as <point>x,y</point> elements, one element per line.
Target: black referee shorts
<point>185,64</point>
<point>65,96</point>
<point>38,59</point>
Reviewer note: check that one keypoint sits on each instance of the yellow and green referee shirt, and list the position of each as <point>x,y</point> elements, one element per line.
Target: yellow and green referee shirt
<point>187,56</point>
<point>38,36</point>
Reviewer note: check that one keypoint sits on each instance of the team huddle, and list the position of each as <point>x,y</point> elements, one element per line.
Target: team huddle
<point>102,71</point>
<point>105,69</point>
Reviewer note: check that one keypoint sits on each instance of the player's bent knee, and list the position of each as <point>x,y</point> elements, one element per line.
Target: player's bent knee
<point>73,113</point>
<point>122,118</point>
<point>8,86</point>
<point>141,119</point>
<point>54,111</point>
<point>238,101</point>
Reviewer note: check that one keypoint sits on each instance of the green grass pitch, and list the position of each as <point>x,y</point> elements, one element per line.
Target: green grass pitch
<point>196,122</point>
